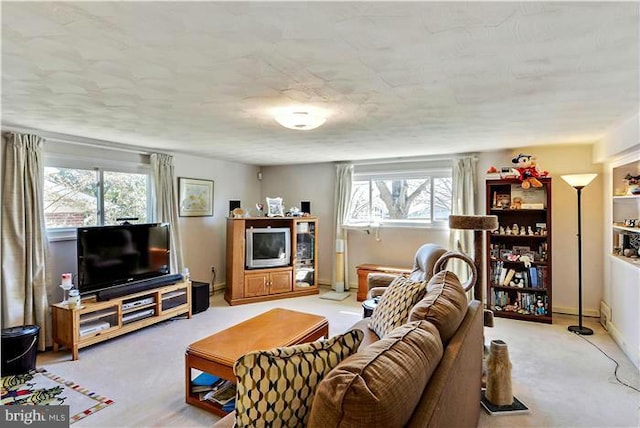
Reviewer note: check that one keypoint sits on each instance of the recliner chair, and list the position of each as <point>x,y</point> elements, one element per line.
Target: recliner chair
<point>423,264</point>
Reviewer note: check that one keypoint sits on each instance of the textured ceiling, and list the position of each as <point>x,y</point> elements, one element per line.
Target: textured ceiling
<point>397,79</point>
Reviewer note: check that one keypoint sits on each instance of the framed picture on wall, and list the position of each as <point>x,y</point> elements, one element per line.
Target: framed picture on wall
<point>195,197</point>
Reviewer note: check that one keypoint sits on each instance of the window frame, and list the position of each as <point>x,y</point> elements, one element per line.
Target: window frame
<point>65,161</point>
<point>420,173</point>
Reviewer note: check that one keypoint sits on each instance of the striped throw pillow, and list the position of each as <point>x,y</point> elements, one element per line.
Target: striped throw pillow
<point>395,304</point>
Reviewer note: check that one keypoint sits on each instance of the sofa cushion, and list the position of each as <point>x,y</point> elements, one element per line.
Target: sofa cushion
<point>381,384</point>
<point>444,304</point>
<point>395,304</point>
<point>276,387</point>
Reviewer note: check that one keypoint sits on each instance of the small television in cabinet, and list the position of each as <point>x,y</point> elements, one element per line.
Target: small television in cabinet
<point>111,256</point>
<point>267,247</point>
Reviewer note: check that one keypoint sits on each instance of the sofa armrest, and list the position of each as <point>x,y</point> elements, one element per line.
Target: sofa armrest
<point>452,396</point>
<point>380,279</point>
<point>376,292</point>
<point>228,421</point>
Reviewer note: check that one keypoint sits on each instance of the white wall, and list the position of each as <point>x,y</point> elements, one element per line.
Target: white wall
<point>397,246</point>
<point>620,146</point>
<point>622,137</point>
<point>204,238</point>
<point>315,182</point>
<point>312,183</point>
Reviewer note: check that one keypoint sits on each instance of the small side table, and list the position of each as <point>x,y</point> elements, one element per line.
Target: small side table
<point>364,270</point>
<point>368,306</point>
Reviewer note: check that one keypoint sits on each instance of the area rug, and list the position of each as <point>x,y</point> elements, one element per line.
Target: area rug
<point>43,388</point>
<point>334,295</point>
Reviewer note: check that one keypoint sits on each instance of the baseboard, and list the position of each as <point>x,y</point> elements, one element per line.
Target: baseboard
<point>574,311</point>
<point>633,354</point>
<point>322,283</point>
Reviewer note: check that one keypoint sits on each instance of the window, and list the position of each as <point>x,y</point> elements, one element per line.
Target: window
<point>401,198</point>
<point>76,197</point>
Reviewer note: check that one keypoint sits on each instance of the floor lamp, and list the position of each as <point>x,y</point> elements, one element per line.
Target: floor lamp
<point>579,182</point>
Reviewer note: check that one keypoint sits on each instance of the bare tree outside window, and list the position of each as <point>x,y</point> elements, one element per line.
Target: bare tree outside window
<point>425,199</point>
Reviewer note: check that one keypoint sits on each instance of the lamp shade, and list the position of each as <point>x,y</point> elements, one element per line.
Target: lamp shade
<point>578,180</point>
<point>300,120</point>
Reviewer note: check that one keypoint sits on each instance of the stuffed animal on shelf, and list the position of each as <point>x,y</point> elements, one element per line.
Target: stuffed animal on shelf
<point>525,167</point>
<point>516,204</point>
<point>518,280</point>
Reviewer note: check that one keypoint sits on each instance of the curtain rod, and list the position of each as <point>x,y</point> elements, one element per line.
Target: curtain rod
<point>412,159</point>
<point>72,139</point>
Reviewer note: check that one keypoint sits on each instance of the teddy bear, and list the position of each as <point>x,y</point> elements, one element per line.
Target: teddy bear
<point>527,172</point>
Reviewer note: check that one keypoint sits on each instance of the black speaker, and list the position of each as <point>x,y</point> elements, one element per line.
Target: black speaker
<point>199,297</point>
<point>305,207</point>
<point>233,205</point>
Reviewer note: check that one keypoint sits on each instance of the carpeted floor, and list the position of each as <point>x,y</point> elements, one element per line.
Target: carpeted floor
<point>40,387</point>
<point>564,380</point>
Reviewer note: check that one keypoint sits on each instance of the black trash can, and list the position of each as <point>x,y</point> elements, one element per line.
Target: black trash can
<point>19,349</point>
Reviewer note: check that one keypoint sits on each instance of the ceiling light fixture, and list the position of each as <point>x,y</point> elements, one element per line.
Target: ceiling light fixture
<point>300,119</point>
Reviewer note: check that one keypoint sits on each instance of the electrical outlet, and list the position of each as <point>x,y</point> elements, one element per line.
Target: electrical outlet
<point>213,270</point>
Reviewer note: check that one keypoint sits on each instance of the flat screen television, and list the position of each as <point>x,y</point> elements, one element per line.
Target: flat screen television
<point>110,256</point>
<point>267,247</point>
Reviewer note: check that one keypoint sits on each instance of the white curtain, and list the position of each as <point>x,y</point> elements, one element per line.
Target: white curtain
<point>462,203</point>
<point>166,204</point>
<point>342,198</point>
<point>24,236</point>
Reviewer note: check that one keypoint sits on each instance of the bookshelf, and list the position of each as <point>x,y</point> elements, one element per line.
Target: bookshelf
<point>625,211</point>
<point>519,280</point>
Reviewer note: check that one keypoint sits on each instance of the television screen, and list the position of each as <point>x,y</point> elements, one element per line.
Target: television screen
<point>268,247</point>
<point>114,255</point>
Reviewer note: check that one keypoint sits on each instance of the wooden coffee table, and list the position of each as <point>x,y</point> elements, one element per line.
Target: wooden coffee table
<point>216,354</point>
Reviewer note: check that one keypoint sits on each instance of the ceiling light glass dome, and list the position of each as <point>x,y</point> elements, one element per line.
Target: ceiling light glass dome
<point>300,119</point>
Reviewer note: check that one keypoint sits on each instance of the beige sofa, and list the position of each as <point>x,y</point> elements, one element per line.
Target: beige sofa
<point>381,386</point>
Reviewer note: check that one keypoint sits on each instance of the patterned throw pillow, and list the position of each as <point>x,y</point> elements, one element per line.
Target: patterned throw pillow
<point>276,387</point>
<point>395,304</point>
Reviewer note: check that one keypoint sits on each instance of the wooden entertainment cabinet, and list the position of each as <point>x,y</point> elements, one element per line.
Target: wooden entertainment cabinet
<point>95,322</point>
<point>299,278</point>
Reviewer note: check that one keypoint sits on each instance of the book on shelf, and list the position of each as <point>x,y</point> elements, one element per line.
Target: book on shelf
<point>508,277</point>
<point>503,274</point>
<point>229,406</point>
<point>205,382</point>
<point>533,277</point>
<point>224,394</point>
